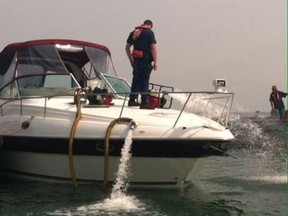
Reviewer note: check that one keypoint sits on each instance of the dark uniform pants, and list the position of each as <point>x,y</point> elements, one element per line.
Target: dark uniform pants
<point>140,81</point>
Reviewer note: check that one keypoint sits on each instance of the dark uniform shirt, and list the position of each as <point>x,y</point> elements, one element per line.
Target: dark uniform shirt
<point>143,43</point>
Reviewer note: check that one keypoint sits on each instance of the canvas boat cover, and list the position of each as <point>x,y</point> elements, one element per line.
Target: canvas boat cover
<point>49,56</point>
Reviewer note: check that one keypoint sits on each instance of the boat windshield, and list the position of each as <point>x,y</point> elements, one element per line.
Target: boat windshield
<point>100,62</point>
<point>100,73</point>
<point>119,85</point>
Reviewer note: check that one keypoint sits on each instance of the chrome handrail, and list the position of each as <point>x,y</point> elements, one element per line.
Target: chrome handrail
<point>222,116</point>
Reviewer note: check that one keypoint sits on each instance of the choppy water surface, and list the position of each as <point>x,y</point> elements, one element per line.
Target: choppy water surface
<point>253,184</point>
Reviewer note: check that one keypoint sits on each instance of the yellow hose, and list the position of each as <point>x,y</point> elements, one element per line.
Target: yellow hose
<point>107,137</point>
<point>71,139</point>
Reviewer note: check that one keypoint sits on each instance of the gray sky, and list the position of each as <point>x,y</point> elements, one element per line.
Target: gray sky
<point>243,41</point>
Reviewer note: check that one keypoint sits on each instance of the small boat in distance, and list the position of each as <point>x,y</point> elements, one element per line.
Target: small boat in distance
<point>64,116</point>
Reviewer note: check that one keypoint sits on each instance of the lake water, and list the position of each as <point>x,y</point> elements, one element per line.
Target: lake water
<point>253,184</point>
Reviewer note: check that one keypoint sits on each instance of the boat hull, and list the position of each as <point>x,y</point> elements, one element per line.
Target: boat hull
<point>161,156</point>
<point>145,171</point>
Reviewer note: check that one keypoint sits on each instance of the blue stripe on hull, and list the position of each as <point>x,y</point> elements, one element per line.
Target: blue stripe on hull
<point>140,148</point>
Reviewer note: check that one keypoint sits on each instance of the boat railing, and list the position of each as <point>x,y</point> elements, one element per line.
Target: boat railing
<point>213,105</point>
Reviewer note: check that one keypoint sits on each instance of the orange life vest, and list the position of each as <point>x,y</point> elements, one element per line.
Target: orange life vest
<point>138,30</point>
<point>136,34</point>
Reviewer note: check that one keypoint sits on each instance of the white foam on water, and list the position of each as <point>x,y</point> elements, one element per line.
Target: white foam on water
<point>60,213</point>
<point>266,179</point>
<point>122,203</point>
<point>110,206</point>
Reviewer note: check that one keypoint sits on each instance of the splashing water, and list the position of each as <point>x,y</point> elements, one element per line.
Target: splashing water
<point>123,173</point>
<point>205,104</point>
<point>114,206</point>
<point>195,102</point>
<point>118,200</point>
<point>245,129</point>
<point>257,130</point>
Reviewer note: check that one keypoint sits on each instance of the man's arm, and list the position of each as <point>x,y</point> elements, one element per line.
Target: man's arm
<point>282,94</point>
<point>154,55</point>
<point>128,53</point>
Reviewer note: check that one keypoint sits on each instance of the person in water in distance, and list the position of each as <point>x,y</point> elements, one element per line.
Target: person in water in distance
<point>277,102</point>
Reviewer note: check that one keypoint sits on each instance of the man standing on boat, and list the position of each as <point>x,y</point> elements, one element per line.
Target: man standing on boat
<point>277,102</point>
<point>143,59</point>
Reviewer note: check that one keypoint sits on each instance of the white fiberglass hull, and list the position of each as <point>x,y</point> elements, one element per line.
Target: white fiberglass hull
<point>145,172</point>
<point>36,143</point>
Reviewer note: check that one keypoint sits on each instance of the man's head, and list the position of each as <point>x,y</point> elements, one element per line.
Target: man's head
<point>274,88</point>
<point>148,23</point>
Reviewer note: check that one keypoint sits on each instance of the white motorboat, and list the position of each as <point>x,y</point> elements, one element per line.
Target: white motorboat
<point>64,115</point>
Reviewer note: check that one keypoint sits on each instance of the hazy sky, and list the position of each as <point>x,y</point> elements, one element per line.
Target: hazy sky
<point>243,41</point>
